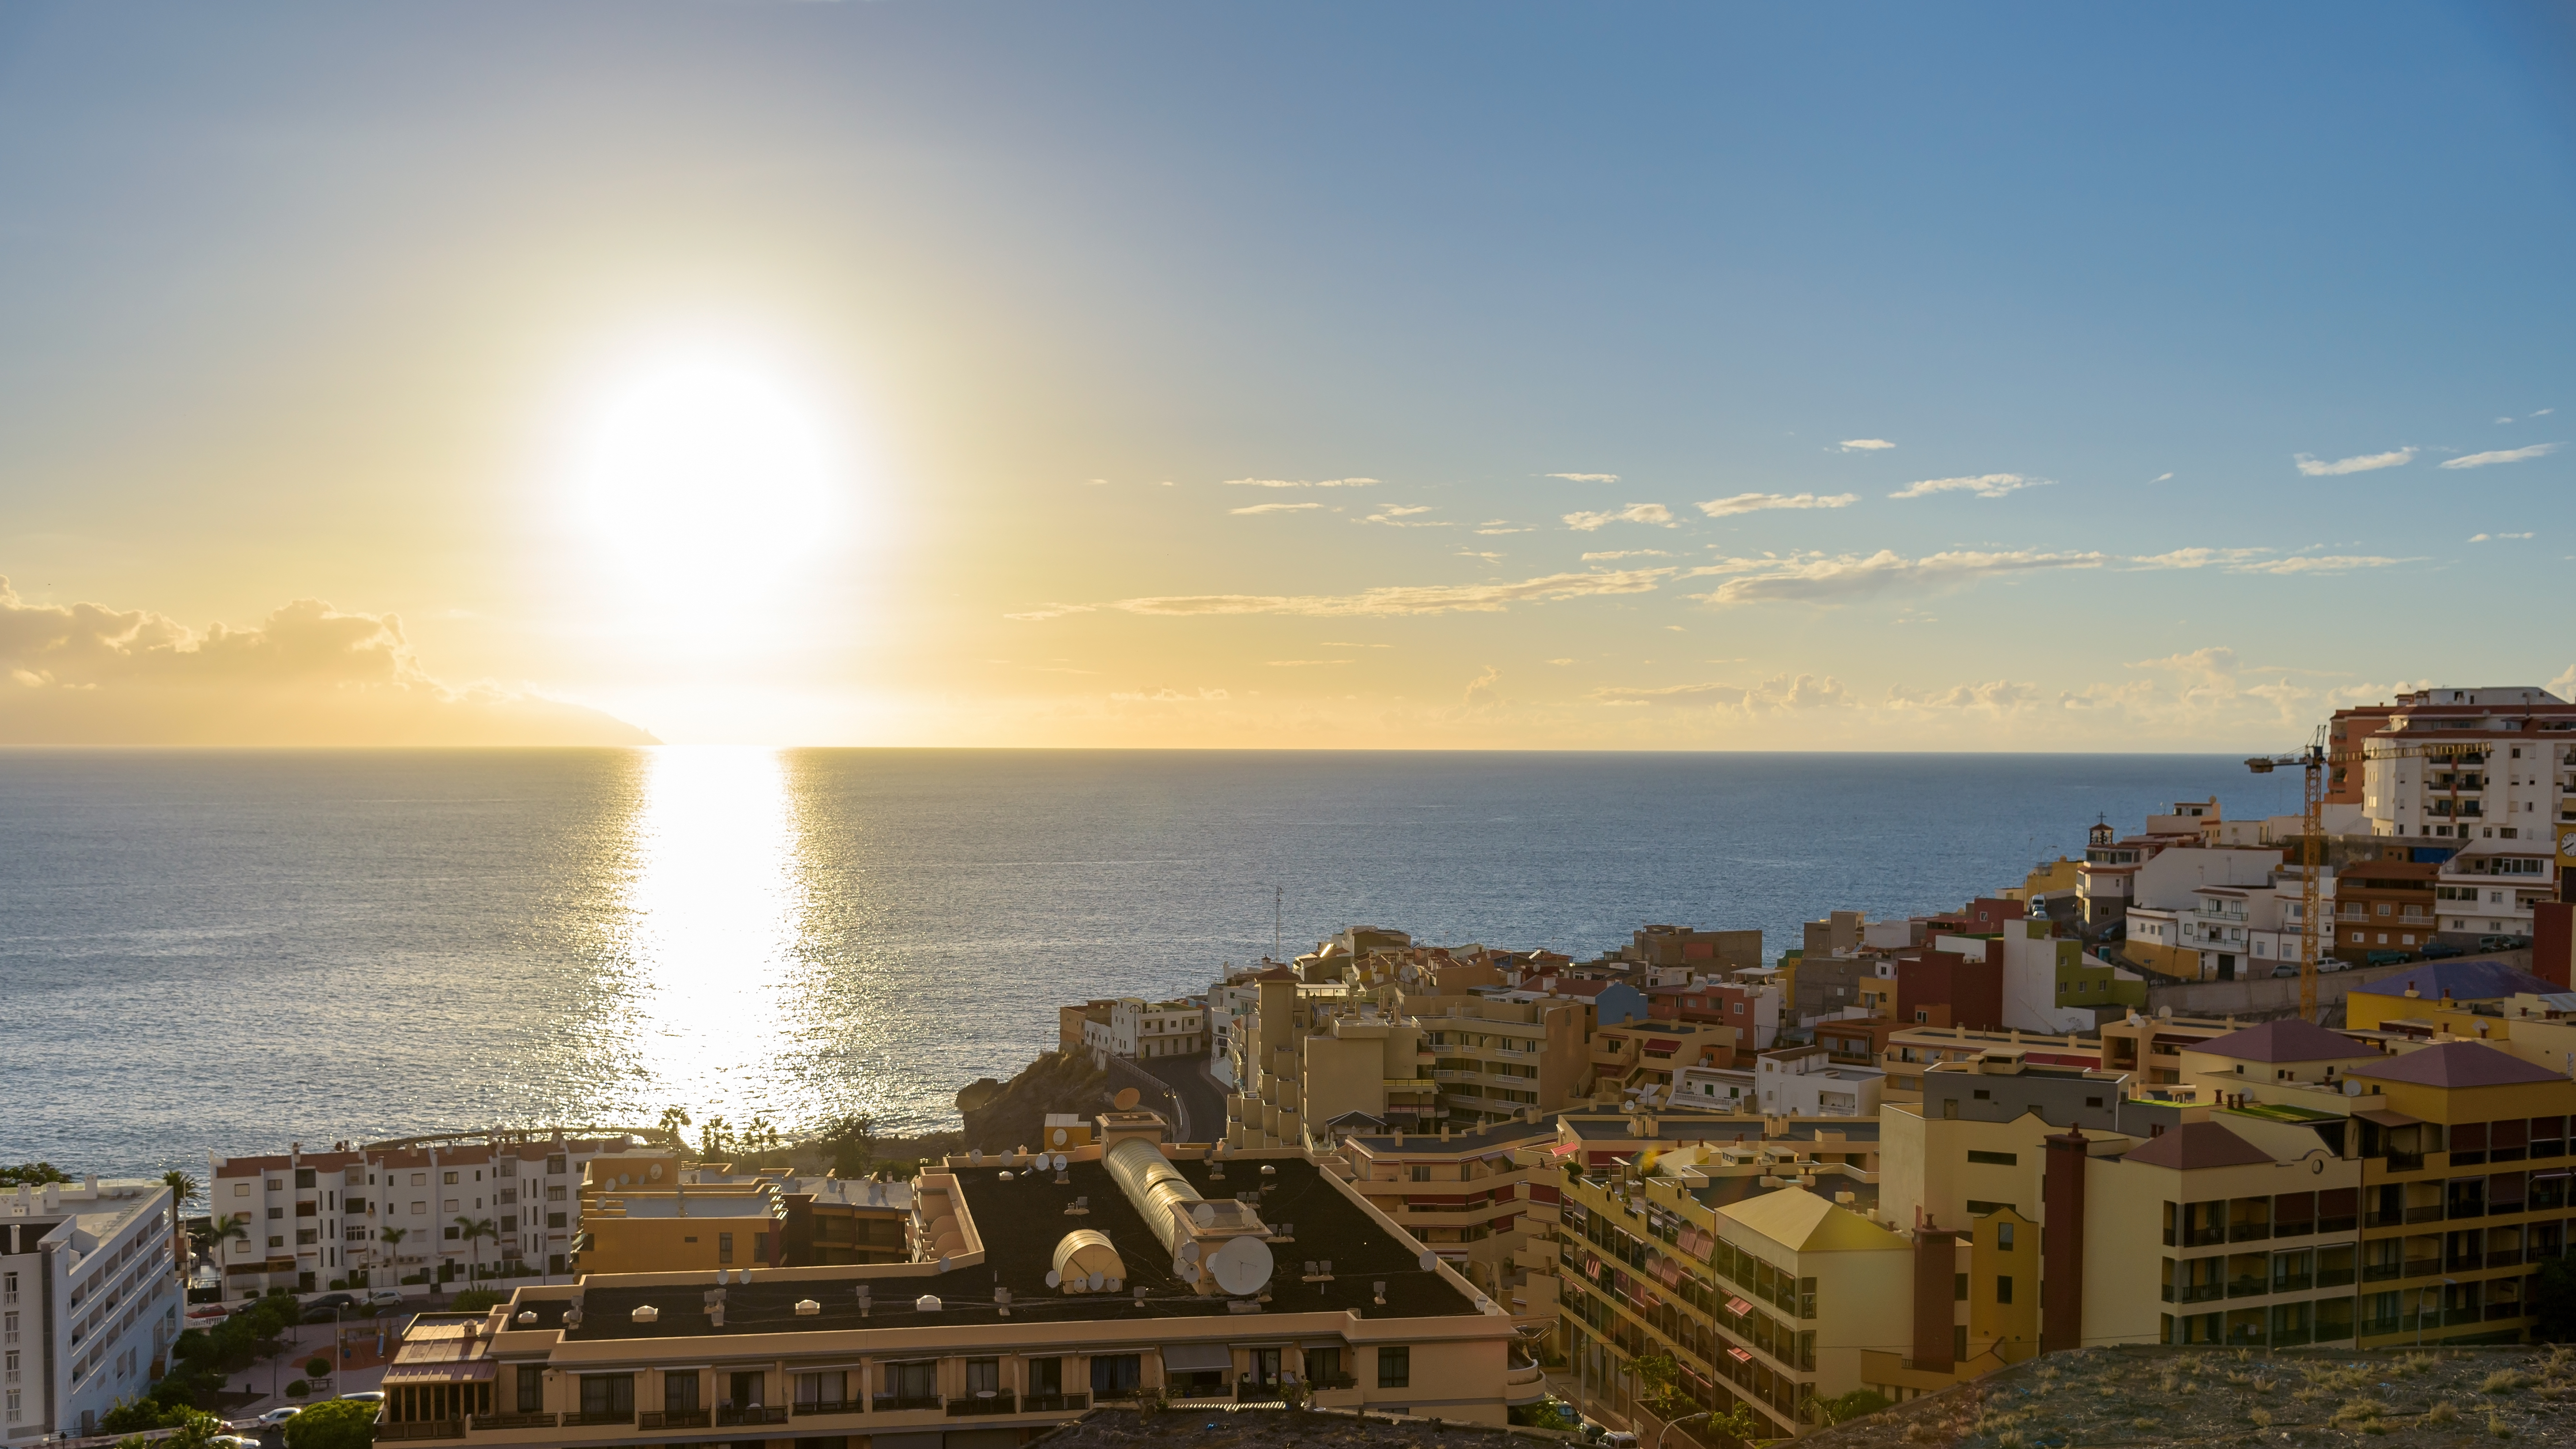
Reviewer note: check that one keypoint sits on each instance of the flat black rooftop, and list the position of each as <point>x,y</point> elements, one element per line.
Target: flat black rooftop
<point>1726,1131</point>
<point>1020,1222</point>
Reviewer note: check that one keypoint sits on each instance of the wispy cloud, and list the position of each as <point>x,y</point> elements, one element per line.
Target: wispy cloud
<point>2362,463</point>
<point>1303,663</point>
<point>2160,477</point>
<point>1394,515</point>
<point>1408,598</point>
<point>2199,558</point>
<point>1654,513</point>
<point>1834,578</point>
<point>1494,526</point>
<point>1171,696</point>
<point>2343,563</point>
<point>1301,482</point>
<point>1353,644</point>
<point>1779,692</point>
<point>2495,537</point>
<point>1487,557</point>
<point>1984,485</point>
<point>1618,553</point>
<point>1587,477</point>
<point>1762,502</point>
<point>1997,696</point>
<point>1865,445</point>
<point>2262,561</point>
<point>2508,455</point>
<point>1274,508</point>
<point>1054,611</point>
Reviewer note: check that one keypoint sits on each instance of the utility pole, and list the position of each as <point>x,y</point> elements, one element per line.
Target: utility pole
<point>1278,899</point>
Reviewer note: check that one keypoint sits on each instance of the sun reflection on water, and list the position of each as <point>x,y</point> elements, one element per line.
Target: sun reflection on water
<point>715,901</point>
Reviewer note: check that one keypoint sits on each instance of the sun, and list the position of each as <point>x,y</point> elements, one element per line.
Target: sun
<point>707,470</point>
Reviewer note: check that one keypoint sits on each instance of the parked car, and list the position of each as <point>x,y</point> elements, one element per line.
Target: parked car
<point>278,1416</point>
<point>2443,951</point>
<point>366,1396</point>
<point>2503,943</point>
<point>2387,958</point>
<point>333,1300</point>
<point>385,1295</point>
<point>233,1441</point>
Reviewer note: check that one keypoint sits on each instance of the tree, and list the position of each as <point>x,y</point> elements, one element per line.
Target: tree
<point>196,1431</point>
<point>183,1189</point>
<point>474,1230</point>
<point>673,1119</point>
<point>33,1174</point>
<point>2553,1302</point>
<point>337,1424</point>
<point>714,1135</point>
<point>1657,1376</point>
<point>392,1239</point>
<point>1843,1408</point>
<point>476,1300</point>
<point>848,1144</point>
<point>210,1237</point>
<point>1740,1424</point>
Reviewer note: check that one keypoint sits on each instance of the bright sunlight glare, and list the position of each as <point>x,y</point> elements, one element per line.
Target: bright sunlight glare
<point>707,472</point>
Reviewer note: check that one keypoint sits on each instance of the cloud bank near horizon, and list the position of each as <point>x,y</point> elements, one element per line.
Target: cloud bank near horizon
<point>88,674</point>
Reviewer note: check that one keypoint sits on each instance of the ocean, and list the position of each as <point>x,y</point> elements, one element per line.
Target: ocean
<point>228,950</point>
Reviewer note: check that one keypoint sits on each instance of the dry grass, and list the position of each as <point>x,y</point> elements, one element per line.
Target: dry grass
<point>2504,1381</point>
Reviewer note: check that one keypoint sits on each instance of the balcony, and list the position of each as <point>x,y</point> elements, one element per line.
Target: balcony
<point>604,1416</point>
<point>727,1414</point>
<point>422,1429</point>
<point>673,1419</point>
<point>987,1402</point>
<point>1325,1383</point>
<point>482,1422</point>
<point>1056,1403</point>
<point>2381,1272</point>
<point>2423,1267</point>
<point>2248,1287</point>
<point>1248,1390</point>
<point>2198,1292</point>
<point>805,1407</point>
<point>899,1403</point>
<point>2429,1213</point>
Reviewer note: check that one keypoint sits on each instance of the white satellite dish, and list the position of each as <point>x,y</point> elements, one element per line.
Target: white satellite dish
<point>1241,1267</point>
<point>1060,1138</point>
<point>1429,1260</point>
<point>1185,1270</point>
<point>1190,1251</point>
<point>1098,1281</point>
<point>1204,1215</point>
<point>1054,1279</point>
<point>1059,1162</point>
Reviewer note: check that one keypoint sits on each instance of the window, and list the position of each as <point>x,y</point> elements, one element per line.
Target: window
<point>420,1179</point>
<point>1960,1289</point>
<point>419,1208</point>
<point>241,1189</point>
<point>983,1378</point>
<point>1421,1173</point>
<point>724,1247</point>
<point>608,1393</point>
<point>2004,1237</point>
<point>1323,1365</point>
<point>1949,1109</point>
<point>304,1177</point>
<point>277,1212</point>
<point>1999,1159</point>
<point>1113,1373</point>
<point>555,1193</point>
<point>679,1392</point>
<point>450,1180</point>
<point>1395,1368</point>
<point>1046,1377</point>
<point>555,1220</point>
<point>532,1388</point>
<point>555,1165</point>
<point>2003,1288</point>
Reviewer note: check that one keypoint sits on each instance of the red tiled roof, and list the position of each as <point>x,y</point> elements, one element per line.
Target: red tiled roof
<point>2458,1064</point>
<point>2199,1144</point>
<point>2289,1039</point>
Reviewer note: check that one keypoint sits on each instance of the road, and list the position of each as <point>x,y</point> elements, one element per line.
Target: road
<point>1202,1100</point>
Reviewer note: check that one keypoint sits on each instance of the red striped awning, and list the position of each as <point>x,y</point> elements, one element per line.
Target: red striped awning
<point>1663,1045</point>
<point>1738,1307</point>
<point>1739,1355</point>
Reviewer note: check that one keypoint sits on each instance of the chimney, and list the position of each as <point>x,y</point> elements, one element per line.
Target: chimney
<point>1935,1267</point>
<point>2061,1245</point>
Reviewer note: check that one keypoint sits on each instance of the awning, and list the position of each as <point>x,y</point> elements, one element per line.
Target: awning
<point>1196,1358</point>
<point>1663,1045</point>
<point>1739,1355</point>
<point>2390,1119</point>
<point>1738,1307</point>
<point>404,1374</point>
<point>1565,1149</point>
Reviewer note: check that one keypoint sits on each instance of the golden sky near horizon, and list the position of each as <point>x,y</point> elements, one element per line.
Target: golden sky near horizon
<point>1137,377</point>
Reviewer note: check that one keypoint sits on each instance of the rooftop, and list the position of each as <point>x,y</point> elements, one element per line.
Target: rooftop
<point>2290,1039</point>
<point>2461,981</point>
<point>1020,1222</point>
<point>2458,1064</point>
<point>2195,1145</point>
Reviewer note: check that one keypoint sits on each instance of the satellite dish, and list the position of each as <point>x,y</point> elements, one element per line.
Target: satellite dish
<point>1054,1279</point>
<point>1126,1099</point>
<point>1059,1162</point>
<point>1060,1138</point>
<point>1204,1215</point>
<point>1242,1266</point>
<point>1190,1251</point>
<point>1429,1260</point>
<point>1098,1281</point>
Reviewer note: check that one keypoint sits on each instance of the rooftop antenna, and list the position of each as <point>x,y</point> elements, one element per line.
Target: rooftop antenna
<point>1278,901</point>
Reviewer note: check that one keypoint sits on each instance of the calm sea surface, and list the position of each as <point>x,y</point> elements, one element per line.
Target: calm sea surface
<point>229,950</point>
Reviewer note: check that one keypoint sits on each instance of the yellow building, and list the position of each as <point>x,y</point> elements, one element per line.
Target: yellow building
<point>2413,995</point>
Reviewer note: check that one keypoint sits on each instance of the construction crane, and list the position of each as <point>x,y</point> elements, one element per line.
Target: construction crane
<point>2312,763</point>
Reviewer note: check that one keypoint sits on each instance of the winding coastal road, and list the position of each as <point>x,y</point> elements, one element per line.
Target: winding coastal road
<point>1202,1101</point>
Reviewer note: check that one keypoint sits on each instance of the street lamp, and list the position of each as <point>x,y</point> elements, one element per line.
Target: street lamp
<point>1684,1419</point>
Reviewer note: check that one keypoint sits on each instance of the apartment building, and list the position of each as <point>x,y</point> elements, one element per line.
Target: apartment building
<point>2462,764</point>
<point>1704,952</point>
<point>386,1211</point>
<point>1496,1057</point>
<point>1808,1082</point>
<point>1470,1197</point>
<point>2484,897</point>
<point>2243,931</point>
<point>2149,1048</point>
<point>2413,997</point>
<point>2383,907</point>
<point>1140,1269</point>
<point>1137,1029</point>
<point>92,1279</point>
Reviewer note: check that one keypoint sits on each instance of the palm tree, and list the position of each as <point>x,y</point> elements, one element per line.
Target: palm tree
<point>673,1119</point>
<point>472,1229</point>
<point>183,1190</point>
<point>712,1137</point>
<point>210,1239</point>
<point>392,1239</point>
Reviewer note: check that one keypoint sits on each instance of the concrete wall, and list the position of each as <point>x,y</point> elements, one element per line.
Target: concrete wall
<point>2273,996</point>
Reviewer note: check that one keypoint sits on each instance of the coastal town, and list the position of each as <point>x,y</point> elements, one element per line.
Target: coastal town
<point>2295,1082</point>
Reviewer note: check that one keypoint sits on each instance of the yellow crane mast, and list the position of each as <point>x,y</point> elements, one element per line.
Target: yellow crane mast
<point>2313,762</point>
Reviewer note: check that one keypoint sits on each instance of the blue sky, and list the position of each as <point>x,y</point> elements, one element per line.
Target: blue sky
<point>302,302</point>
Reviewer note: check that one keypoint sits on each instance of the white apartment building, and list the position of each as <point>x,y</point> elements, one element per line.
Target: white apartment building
<point>2243,931</point>
<point>91,1282</point>
<point>1138,1029</point>
<point>442,1208</point>
<point>1808,1082</point>
<point>2507,771</point>
<point>2489,888</point>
